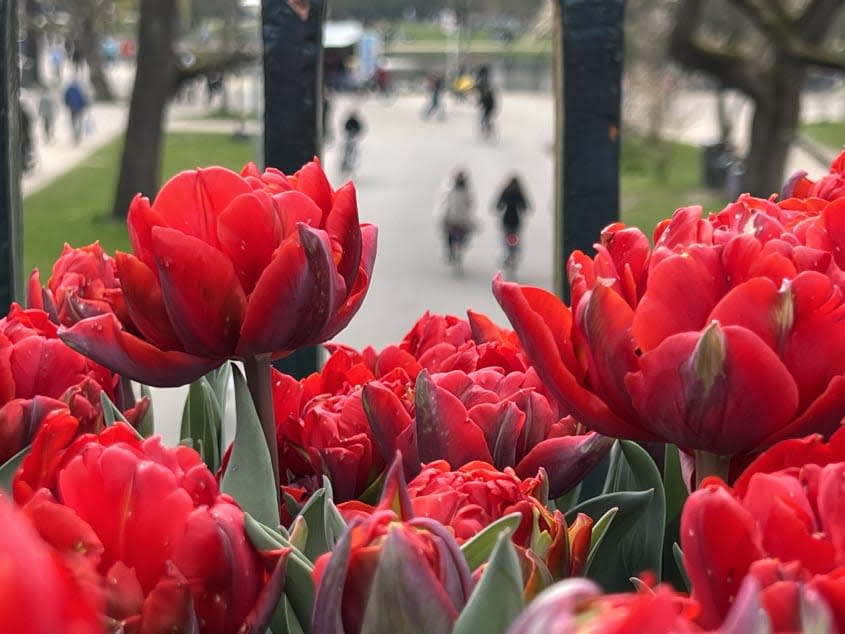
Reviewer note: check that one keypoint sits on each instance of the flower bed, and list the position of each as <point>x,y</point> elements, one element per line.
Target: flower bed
<point>663,454</point>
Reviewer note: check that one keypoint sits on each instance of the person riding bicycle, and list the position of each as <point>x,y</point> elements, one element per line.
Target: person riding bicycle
<point>512,204</point>
<point>353,128</point>
<point>457,220</point>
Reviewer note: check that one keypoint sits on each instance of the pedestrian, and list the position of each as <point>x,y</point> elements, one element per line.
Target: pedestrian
<point>27,147</point>
<point>57,59</point>
<point>456,216</point>
<point>77,104</point>
<point>353,128</point>
<point>47,114</point>
<point>487,105</point>
<point>511,204</point>
<point>435,89</point>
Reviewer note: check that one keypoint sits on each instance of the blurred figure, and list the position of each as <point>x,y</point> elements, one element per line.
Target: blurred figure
<point>353,128</point>
<point>512,204</point>
<point>456,213</point>
<point>487,105</point>
<point>76,103</point>
<point>57,59</point>
<point>27,147</point>
<point>435,91</point>
<point>47,114</point>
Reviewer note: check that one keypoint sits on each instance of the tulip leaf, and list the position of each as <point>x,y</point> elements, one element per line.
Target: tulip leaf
<point>603,565</point>
<point>673,483</point>
<point>497,599</point>
<point>678,555</point>
<point>598,533</point>
<point>249,474</point>
<point>640,547</point>
<point>298,534</point>
<point>478,549</point>
<point>568,499</point>
<point>146,427</point>
<point>10,467</point>
<point>202,420</point>
<point>299,585</point>
<point>324,522</point>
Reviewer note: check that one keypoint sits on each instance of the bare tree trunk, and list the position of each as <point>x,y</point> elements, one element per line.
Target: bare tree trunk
<point>773,130</point>
<point>31,71</point>
<point>155,80</point>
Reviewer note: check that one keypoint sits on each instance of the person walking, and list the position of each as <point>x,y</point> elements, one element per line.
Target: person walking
<point>353,128</point>
<point>47,114</point>
<point>456,211</point>
<point>76,103</point>
<point>487,105</point>
<point>435,91</point>
<point>511,205</point>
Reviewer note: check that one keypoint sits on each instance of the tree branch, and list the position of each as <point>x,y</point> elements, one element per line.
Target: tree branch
<point>815,22</point>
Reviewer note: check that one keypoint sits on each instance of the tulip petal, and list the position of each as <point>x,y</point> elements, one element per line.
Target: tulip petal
<point>294,208</point>
<point>144,302</point>
<point>566,459</point>
<point>356,294</point>
<point>311,180</point>
<point>202,293</point>
<point>726,406</point>
<point>391,426</point>
<point>249,232</point>
<point>344,229</point>
<point>720,541</point>
<point>544,325</point>
<point>103,339</point>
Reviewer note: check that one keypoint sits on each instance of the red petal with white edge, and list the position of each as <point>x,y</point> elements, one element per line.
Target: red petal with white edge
<point>668,306</point>
<point>544,325</point>
<point>103,339</point>
<point>275,307</point>
<point>250,231</point>
<point>202,293</point>
<point>312,181</point>
<point>720,541</point>
<point>144,303</point>
<point>344,231</point>
<point>740,401</point>
<point>191,201</point>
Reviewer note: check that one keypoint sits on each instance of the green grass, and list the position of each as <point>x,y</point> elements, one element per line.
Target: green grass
<point>830,133</point>
<point>76,208</point>
<point>648,198</point>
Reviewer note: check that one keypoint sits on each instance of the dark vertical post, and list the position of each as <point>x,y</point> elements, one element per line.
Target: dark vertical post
<point>11,229</point>
<point>592,43</point>
<point>292,32</point>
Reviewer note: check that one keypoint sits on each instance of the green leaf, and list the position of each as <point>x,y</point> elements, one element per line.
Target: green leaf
<point>478,549</point>
<point>299,585</point>
<point>599,531</point>
<point>147,425</point>
<point>673,483</point>
<point>202,420</point>
<point>568,499</point>
<point>324,522</point>
<point>249,474</point>
<point>497,599</point>
<point>603,562</point>
<point>679,562</point>
<point>10,467</point>
<point>640,547</point>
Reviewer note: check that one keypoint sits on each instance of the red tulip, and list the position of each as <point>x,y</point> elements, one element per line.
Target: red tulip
<point>639,356</point>
<point>83,284</point>
<point>171,549</point>
<point>40,594</point>
<point>391,568</point>
<point>828,187</point>
<point>782,525</point>
<point>232,266</point>
<point>39,374</point>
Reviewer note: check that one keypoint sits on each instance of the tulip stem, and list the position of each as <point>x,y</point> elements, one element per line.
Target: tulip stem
<point>259,381</point>
<point>710,464</point>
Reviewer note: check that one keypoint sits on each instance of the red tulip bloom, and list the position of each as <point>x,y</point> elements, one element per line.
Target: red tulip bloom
<point>390,567</point>
<point>40,594</point>
<point>781,525</point>
<point>83,284</point>
<point>170,547</point>
<point>641,356</point>
<point>232,266</point>
<point>828,187</point>
<point>39,374</point>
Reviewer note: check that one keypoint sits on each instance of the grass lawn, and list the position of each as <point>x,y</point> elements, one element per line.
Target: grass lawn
<point>647,199</point>
<point>830,133</point>
<point>76,208</point>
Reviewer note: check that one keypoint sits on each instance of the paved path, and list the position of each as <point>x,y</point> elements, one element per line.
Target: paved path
<point>404,160</point>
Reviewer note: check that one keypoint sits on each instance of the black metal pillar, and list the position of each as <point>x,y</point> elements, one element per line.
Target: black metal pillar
<point>11,229</point>
<point>292,32</point>
<point>591,37</point>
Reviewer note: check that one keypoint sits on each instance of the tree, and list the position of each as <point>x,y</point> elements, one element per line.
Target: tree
<point>85,34</point>
<point>156,76</point>
<point>770,71</point>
